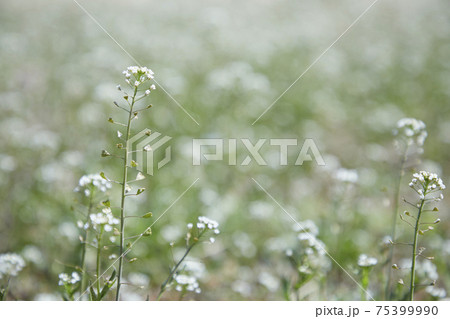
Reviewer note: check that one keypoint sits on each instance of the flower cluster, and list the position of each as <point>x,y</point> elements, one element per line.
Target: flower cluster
<point>185,283</point>
<point>70,280</point>
<point>88,183</point>
<point>311,258</point>
<point>414,131</point>
<point>136,75</point>
<point>436,292</point>
<point>366,261</point>
<point>346,175</point>
<point>203,225</point>
<point>425,183</point>
<point>10,264</point>
<point>104,219</point>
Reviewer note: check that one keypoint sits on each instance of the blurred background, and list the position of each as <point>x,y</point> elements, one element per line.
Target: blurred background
<point>225,62</point>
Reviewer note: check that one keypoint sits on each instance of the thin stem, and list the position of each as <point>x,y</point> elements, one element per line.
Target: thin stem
<point>5,290</point>
<point>122,205</point>
<point>387,292</point>
<point>414,252</point>
<point>364,283</point>
<point>84,249</point>
<point>99,238</point>
<point>173,271</point>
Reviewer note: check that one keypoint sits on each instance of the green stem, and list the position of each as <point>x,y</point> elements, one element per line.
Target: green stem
<point>84,248</point>
<point>122,205</point>
<point>364,283</point>
<point>414,251</point>
<point>387,292</point>
<point>173,271</point>
<point>5,290</point>
<point>99,238</point>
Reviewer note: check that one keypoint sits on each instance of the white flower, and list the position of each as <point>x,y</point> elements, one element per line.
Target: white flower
<point>436,292</point>
<point>140,176</point>
<point>147,148</point>
<point>307,226</point>
<point>425,183</point>
<point>147,92</point>
<point>105,218</point>
<point>200,225</point>
<point>140,74</point>
<point>366,261</point>
<point>414,131</point>
<point>426,270</point>
<point>187,283</point>
<point>66,279</point>
<point>346,175</point>
<point>209,223</point>
<point>10,264</point>
<point>92,181</point>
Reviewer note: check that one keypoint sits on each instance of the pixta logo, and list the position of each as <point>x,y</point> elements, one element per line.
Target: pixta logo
<point>201,149</point>
<point>145,148</point>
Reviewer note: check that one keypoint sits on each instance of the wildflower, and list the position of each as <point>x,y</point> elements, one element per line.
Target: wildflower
<point>140,75</point>
<point>204,224</point>
<point>209,223</point>
<point>414,131</point>
<point>426,270</point>
<point>105,218</point>
<point>436,292</point>
<point>312,256</point>
<point>66,279</point>
<point>425,183</point>
<point>90,182</point>
<point>10,264</point>
<point>186,283</point>
<point>307,226</point>
<point>346,175</point>
<point>366,261</point>
<point>387,240</point>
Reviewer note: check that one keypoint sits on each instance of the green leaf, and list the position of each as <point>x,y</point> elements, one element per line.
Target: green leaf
<point>106,203</point>
<point>140,191</point>
<point>108,285</point>
<point>93,294</point>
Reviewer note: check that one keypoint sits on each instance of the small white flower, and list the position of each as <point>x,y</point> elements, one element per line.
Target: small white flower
<point>366,261</point>
<point>346,175</point>
<point>94,182</point>
<point>200,225</point>
<point>436,292</point>
<point>140,176</point>
<point>147,148</point>
<point>425,183</point>
<point>66,279</point>
<point>11,264</point>
<point>414,131</point>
